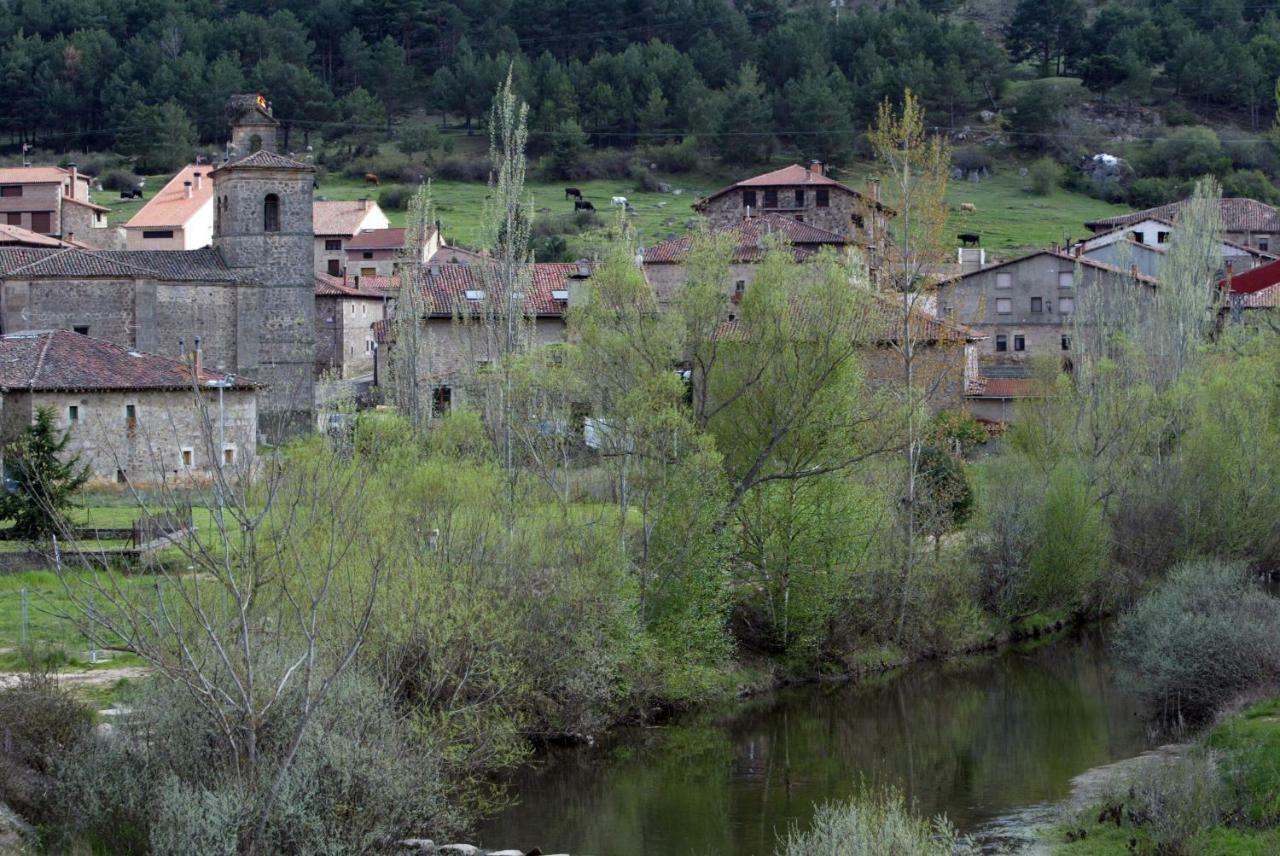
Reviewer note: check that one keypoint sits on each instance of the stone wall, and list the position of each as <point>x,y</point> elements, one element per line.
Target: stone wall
<point>150,448</point>
<point>343,335</point>
<point>841,215</point>
<point>88,226</point>
<point>668,279</point>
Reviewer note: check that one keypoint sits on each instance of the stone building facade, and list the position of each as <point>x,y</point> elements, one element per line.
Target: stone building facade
<point>336,222</point>
<point>345,316</point>
<point>132,417</point>
<point>801,193</point>
<point>51,200</point>
<point>1025,307</point>
<point>1244,221</point>
<point>249,298</point>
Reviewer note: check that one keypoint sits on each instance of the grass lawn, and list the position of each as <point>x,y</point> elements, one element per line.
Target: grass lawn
<point>1248,744</point>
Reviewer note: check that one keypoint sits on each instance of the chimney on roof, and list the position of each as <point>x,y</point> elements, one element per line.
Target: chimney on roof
<point>71,191</point>
<point>364,203</point>
<point>873,189</point>
<point>186,189</point>
<point>584,268</point>
<point>356,281</point>
<point>817,167</point>
<point>199,179</point>
<point>1079,249</point>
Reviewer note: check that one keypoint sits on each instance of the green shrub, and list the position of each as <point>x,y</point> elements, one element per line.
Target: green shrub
<point>874,823</point>
<point>395,198</point>
<point>972,158</point>
<point>1045,175</point>
<point>1251,184</point>
<point>1208,633</point>
<point>119,179</point>
<point>678,157</point>
<point>956,431</point>
<point>40,722</point>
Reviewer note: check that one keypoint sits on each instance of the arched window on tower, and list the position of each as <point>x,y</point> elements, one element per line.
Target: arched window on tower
<point>255,143</point>
<point>271,213</point>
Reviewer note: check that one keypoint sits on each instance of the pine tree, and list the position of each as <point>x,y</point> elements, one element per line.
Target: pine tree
<point>43,483</point>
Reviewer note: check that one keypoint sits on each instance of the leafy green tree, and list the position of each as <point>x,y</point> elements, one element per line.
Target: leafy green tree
<point>363,120</point>
<point>1049,31</point>
<point>44,479</point>
<point>418,137</point>
<point>159,136</point>
<point>746,117</point>
<point>568,148</point>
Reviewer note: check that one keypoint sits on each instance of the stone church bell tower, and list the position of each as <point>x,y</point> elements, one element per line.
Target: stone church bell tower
<point>263,230</point>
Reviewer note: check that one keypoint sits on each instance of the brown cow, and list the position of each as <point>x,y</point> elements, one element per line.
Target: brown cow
<point>370,178</point>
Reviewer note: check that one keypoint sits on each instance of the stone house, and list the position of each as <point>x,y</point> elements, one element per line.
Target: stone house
<point>1244,221</point>
<point>345,314</point>
<point>179,217</point>
<point>375,252</point>
<point>336,222</point>
<point>51,200</point>
<point>133,417</point>
<point>1024,307</point>
<point>806,194</point>
<point>249,298</point>
<point>452,340</point>
<point>664,267</point>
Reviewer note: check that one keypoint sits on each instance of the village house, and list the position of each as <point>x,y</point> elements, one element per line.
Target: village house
<point>345,314</point>
<point>51,200</point>
<point>336,222</point>
<point>452,341</point>
<point>1145,243</point>
<point>1025,307</point>
<point>803,193</point>
<point>249,297</point>
<point>376,252</point>
<point>179,217</point>
<point>664,262</point>
<point>1244,221</point>
<point>1244,294</point>
<point>132,417</point>
<point>16,236</point>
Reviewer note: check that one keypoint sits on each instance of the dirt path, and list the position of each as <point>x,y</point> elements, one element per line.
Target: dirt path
<point>96,677</point>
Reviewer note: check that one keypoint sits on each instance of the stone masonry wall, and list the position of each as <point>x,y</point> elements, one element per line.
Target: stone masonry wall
<point>837,216</point>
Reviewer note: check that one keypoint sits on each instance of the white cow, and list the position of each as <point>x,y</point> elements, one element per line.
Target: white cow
<point>620,201</point>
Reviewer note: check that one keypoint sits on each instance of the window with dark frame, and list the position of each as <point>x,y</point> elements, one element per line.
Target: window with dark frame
<point>1037,304</point>
<point>367,254</point>
<point>150,234</point>
<point>1066,343</point>
<point>73,413</point>
<point>799,197</point>
<point>82,329</point>
<point>11,191</point>
<point>1019,342</point>
<point>335,267</point>
<point>130,417</point>
<point>771,197</point>
<point>42,222</point>
<point>857,221</point>
<point>332,244</point>
<point>821,197</point>
<point>271,213</point>
<point>1002,343</point>
<point>13,218</point>
<point>748,199</point>
<point>441,400</point>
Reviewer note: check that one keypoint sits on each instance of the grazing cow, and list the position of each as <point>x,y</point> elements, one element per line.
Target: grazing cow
<point>583,205</point>
<point>131,194</point>
<point>370,178</point>
<point>968,208</point>
<point>969,239</point>
<point>572,193</point>
<point>620,201</point>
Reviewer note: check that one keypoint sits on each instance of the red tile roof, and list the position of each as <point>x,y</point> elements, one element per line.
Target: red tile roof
<point>16,236</point>
<point>445,288</point>
<point>384,330</point>
<point>332,286</point>
<point>789,176</point>
<point>750,236</point>
<point>1238,215</point>
<point>1004,387</point>
<point>457,255</point>
<point>342,216</point>
<point>263,159</point>
<point>171,207</point>
<point>1256,279</point>
<point>377,239</point>
<point>37,175</point>
<point>61,360</point>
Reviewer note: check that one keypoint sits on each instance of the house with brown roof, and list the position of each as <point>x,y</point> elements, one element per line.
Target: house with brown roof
<point>336,222</point>
<point>179,217</point>
<point>375,252</point>
<point>346,310</point>
<point>132,417</point>
<point>1244,221</point>
<point>1145,243</point>
<point>16,236</point>
<point>749,237</point>
<point>1025,307</point>
<point>803,193</point>
<point>453,338</point>
<point>51,200</point>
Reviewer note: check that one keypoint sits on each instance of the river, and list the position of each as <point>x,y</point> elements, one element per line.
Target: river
<point>984,740</point>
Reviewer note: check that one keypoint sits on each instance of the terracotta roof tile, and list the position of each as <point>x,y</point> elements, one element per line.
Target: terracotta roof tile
<point>263,159</point>
<point>750,236</point>
<point>171,207</point>
<point>36,175</point>
<point>445,288</point>
<point>18,236</point>
<point>342,216</point>
<point>457,255</point>
<point>377,239</point>
<point>794,175</point>
<point>61,360</point>
<point>332,286</point>
<point>203,265</point>
<point>1238,215</point>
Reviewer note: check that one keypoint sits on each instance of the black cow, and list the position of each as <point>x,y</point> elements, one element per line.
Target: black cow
<point>969,239</point>
<point>131,194</point>
<point>572,193</point>
<point>583,205</point>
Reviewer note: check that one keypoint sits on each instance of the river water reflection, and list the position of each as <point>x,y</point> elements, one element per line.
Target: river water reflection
<point>974,739</point>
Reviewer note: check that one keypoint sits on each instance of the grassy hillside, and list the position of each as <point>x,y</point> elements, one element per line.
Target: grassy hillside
<point>1008,218</point>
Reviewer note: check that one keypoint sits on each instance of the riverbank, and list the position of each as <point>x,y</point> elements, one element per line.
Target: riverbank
<point>1236,812</point>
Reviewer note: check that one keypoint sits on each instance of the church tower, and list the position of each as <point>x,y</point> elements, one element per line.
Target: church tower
<point>263,230</point>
